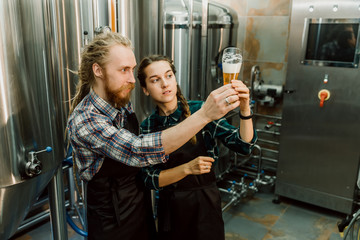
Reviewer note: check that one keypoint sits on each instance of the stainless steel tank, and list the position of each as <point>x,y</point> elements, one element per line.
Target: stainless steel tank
<point>197,76</point>
<point>144,37</point>
<point>35,89</point>
<point>320,134</point>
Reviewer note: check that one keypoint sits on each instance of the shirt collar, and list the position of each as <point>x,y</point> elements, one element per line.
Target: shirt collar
<point>175,116</point>
<point>107,108</point>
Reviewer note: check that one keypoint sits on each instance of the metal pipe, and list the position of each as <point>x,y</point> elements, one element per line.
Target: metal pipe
<point>260,160</point>
<point>189,62</point>
<point>95,9</point>
<point>270,159</point>
<point>223,190</point>
<point>255,71</point>
<point>268,132</point>
<point>36,219</point>
<point>84,191</point>
<point>229,204</point>
<point>30,222</point>
<point>268,141</point>
<point>41,202</point>
<point>267,116</point>
<point>71,186</point>
<point>161,28</point>
<point>204,23</point>
<point>57,206</point>
<point>270,150</point>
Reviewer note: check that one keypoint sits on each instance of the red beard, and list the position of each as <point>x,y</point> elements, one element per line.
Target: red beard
<point>116,97</point>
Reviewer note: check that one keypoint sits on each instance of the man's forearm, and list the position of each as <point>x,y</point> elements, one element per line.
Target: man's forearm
<point>174,137</point>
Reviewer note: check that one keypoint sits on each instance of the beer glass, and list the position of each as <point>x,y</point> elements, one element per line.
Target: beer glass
<point>231,64</point>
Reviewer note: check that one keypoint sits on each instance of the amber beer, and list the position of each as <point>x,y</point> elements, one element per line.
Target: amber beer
<point>231,64</point>
<point>230,72</point>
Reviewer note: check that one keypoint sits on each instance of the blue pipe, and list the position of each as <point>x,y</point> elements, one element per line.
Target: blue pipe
<point>69,160</point>
<point>73,226</point>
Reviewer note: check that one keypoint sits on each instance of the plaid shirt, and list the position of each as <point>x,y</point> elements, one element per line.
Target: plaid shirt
<point>219,129</point>
<point>96,131</point>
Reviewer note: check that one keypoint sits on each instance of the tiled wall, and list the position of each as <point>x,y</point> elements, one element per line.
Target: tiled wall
<point>263,36</point>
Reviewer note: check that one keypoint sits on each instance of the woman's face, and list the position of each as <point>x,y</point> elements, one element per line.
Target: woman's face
<point>161,83</point>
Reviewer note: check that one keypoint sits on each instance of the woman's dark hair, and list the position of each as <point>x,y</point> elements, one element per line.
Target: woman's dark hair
<point>141,75</point>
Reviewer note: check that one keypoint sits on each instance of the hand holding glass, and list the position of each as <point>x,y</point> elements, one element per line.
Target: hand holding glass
<point>231,64</point>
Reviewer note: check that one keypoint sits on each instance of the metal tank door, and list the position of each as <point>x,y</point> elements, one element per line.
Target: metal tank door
<point>320,134</point>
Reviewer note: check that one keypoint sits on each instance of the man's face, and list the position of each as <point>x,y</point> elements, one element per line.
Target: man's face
<point>119,75</point>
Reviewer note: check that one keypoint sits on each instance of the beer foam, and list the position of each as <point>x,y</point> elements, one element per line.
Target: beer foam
<point>231,67</point>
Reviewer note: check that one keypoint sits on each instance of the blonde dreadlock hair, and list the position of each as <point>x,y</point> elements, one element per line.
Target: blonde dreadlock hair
<point>142,76</point>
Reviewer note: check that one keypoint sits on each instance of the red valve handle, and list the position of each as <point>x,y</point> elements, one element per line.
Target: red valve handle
<point>323,96</point>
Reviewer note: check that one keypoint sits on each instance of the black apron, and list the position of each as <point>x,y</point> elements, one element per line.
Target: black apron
<point>117,205</point>
<point>190,208</point>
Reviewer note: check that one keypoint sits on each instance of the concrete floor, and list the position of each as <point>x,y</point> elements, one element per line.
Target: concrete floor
<point>260,219</point>
<point>255,218</point>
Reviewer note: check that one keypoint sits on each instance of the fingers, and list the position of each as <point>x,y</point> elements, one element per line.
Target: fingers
<point>222,89</point>
<point>204,164</point>
<point>240,87</point>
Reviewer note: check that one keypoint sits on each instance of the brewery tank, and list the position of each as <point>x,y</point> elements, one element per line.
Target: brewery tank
<point>184,45</point>
<point>39,44</point>
<point>197,53</point>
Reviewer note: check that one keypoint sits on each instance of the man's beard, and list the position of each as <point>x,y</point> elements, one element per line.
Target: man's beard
<point>116,98</point>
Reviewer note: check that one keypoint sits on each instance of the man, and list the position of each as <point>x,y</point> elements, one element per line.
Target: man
<point>103,132</point>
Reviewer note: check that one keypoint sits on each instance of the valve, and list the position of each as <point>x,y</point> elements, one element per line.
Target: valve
<point>34,166</point>
<point>323,96</point>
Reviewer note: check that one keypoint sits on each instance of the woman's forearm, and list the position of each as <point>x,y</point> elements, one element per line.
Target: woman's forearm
<point>199,165</point>
<point>246,127</point>
<point>172,175</point>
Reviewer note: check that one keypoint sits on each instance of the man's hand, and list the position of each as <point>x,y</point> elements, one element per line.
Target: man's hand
<point>220,102</point>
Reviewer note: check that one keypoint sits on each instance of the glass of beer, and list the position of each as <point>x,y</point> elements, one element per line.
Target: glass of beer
<point>231,64</point>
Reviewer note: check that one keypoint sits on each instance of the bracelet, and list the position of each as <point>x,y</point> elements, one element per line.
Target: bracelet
<point>246,117</point>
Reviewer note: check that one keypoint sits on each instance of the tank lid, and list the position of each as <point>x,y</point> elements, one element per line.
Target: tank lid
<point>176,12</point>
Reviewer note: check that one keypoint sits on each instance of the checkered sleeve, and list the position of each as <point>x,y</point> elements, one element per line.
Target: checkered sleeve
<point>150,177</point>
<point>230,136</point>
<point>98,134</point>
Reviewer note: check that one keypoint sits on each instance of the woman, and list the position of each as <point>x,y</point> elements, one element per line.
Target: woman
<point>189,205</point>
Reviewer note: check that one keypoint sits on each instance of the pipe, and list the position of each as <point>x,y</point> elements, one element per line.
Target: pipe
<point>36,219</point>
<point>73,226</point>
<point>270,150</point>
<point>204,26</point>
<point>269,132</point>
<point>191,19</point>
<point>229,204</point>
<point>112,11</point>
<point>161,28</point>
<point>268,141</point>
<point>32,221</point>
<point>260,160</point>
<point>255,71</point>
<point>57,206</point>
<point>267,116</point>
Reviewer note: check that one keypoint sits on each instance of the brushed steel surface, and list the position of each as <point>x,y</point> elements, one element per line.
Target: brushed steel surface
<point>38,49</point>
<point>319,146</point>
<point>144,15</point>
<point>220,28</point>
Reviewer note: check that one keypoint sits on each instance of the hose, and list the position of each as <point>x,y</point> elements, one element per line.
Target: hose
<point>69,160</point>
<point>351,223</point>
<point>73,226</point>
